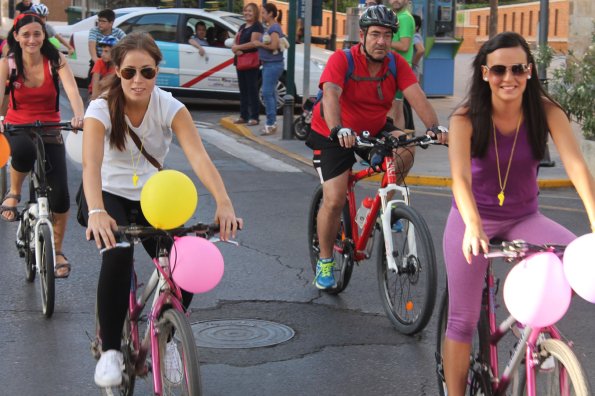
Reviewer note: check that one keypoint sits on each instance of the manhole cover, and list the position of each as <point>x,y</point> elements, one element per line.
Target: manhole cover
<point>240,333</point>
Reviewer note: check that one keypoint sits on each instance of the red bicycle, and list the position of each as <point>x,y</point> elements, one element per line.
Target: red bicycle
<point>406,259</point>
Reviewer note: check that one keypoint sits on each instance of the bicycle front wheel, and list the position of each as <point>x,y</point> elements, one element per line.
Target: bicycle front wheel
<point>46,270</point>
<point>558,371</point>
<point>179,366</point>
<point>342,250</point>
<point>408,294</point>
<point>27,251</point>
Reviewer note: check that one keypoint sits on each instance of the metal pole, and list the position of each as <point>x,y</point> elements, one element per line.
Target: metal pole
<point>333,42</point>
<point>544,17</point>
<point>307,42</point>
<point>290,74</point>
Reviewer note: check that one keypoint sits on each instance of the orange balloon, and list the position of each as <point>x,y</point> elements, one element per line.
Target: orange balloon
<point>4,150</point>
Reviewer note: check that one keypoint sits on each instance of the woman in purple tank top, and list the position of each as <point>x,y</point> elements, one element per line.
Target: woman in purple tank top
<point>498,137</point>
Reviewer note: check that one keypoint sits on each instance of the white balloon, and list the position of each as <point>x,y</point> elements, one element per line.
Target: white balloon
<point>579,267</point>
<point>74,146</point>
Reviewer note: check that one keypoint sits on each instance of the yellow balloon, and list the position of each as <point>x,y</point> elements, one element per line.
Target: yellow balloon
<point>168,199</point>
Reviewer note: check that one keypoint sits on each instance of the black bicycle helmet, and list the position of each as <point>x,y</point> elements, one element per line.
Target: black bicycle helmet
<point>379,15</point>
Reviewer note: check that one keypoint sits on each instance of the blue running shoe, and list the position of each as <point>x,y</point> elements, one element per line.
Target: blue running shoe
<point>398,226</point>
<point>324,273</point>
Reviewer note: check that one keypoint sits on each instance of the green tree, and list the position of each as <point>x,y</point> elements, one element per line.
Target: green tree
<point>573,86</point>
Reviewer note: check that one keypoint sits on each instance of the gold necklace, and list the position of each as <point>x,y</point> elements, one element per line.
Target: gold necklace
<point>503,185</point>
<point>137,162</point>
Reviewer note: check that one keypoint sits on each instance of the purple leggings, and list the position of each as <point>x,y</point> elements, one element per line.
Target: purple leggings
<point>465,282</point>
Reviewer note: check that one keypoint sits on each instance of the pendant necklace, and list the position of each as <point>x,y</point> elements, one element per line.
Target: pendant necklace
<point>137,162</point>
<point>503,184</point>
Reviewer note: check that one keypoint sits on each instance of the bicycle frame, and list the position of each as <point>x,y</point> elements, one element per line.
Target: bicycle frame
<point>166,293</point>
<point>527,343</point>
<point>388,184</point>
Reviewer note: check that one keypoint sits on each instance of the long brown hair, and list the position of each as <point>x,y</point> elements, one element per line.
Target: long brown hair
<point>116,101</point>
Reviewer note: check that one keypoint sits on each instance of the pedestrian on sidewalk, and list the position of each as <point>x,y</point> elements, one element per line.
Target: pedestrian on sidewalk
<point>272,63</point>
<point>499,136</point>
<point>21,7</point>
<point>418,48</point>
<point>249,32</point>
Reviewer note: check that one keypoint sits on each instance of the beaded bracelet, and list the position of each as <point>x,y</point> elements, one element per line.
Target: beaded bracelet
<point>93,211</point>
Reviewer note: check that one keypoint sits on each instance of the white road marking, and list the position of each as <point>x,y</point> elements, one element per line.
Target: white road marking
<point>246,153</point>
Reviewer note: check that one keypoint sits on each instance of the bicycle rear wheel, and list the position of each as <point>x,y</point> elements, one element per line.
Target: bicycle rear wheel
<point>478,380</point>
<point>179,376</point>
<point>558,371</point>
<point>343,248</point>
<point>46,270</point>
<point>409,294</point>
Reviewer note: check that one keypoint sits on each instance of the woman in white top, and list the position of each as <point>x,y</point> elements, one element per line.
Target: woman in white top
<point>114,172</point>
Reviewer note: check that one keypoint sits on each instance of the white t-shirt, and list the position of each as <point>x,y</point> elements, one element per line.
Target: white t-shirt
<point>154,131</point>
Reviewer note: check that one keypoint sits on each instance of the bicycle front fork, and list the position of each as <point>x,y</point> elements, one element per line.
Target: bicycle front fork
<point>385,217</point>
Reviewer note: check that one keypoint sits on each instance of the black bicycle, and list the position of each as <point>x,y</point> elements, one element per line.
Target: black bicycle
<point>35,234</point>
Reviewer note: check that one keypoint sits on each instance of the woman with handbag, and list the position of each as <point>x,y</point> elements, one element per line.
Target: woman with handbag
<point>272,64</point>
<point>248,64</point>
<point>127,134</point>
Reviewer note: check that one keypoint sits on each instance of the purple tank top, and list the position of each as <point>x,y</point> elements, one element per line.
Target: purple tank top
<point>521,188</point>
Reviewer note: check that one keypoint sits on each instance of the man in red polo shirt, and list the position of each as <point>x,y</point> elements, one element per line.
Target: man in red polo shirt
<point>350,106</point>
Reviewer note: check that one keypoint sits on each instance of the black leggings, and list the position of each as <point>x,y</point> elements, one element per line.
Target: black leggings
<point>113,288</point>
<point>23,159</point>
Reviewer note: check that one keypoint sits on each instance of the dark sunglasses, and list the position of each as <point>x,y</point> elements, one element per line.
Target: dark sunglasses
<point>500,70</point>
<point>147,72</point>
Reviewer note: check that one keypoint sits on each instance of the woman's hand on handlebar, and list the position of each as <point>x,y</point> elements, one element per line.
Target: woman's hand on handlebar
<point>228,222</point>
<point>77,122</point>
<point>101,227</point>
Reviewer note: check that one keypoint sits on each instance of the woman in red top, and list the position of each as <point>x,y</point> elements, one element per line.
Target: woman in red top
<point>34,97</point>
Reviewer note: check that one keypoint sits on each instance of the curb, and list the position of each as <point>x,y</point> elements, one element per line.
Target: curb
<point>415,180</point>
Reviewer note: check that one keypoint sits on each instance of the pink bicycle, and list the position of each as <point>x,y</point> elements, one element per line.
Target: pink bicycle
<point>541,361</point>
<point>167,321</point>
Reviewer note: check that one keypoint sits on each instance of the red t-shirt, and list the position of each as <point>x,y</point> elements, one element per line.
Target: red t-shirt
<point>362,109</point>
<point>34,104</point>
<point>102,69</point>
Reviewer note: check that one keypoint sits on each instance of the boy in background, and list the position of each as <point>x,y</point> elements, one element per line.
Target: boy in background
<point>103,67</point>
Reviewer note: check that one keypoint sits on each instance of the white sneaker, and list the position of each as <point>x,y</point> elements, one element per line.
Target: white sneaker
<point>108,371</point>
<point>173,363</point>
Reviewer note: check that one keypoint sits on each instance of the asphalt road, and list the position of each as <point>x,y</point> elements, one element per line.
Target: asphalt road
<point>342,344</point>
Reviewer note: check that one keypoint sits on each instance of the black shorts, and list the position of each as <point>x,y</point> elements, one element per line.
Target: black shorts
<point>331,160</point>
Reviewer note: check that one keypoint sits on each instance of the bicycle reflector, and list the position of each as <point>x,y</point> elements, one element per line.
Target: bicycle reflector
<point>4,150</point>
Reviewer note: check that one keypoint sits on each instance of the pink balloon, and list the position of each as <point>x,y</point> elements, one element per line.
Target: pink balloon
<point>579,266</point>
<point>536,292</point>
<point>196,264</point>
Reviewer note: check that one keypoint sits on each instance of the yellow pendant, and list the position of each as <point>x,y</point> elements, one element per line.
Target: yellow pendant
<point>135,181</point>
<point>500,198</point>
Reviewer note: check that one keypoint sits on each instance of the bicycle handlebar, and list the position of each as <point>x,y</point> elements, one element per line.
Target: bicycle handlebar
<point>519,249</point>
<point>63,125</point>
<point>394,142</point>
<point>136,231</point>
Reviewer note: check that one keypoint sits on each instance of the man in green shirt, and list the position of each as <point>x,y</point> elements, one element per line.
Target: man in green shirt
<point>403,44</point>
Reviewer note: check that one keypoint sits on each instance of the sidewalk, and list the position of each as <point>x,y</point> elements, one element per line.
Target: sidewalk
<point>431,166</point>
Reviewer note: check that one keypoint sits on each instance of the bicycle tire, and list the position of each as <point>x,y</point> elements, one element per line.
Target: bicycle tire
<point>413,284</point>
<point>173,326</point>
<point>566,365</point>
<point>46,270</point>
<point>343,262</point>
<point>478,381</point>
<point>28,252</point>
<point>301,129</point>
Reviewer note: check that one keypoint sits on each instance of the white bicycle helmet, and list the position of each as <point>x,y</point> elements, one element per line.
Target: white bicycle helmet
<point>41,9</point>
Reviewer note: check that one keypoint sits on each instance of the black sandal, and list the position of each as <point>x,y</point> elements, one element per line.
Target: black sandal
<point>58,267</point>
<point>12,209</point>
